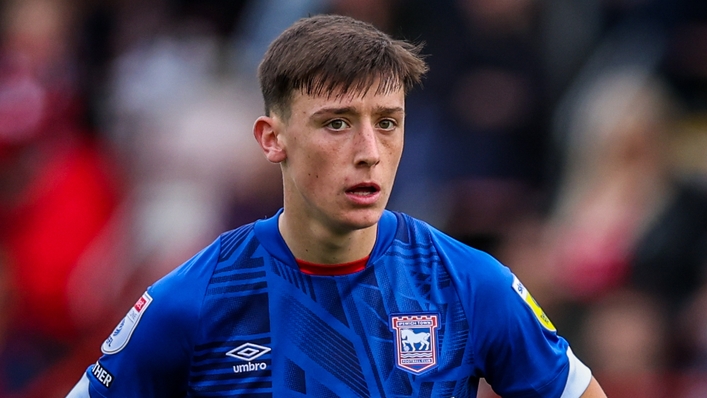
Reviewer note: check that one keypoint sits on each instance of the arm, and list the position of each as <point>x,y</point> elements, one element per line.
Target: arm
<point>521,351</point>
<point>593,390</point>
<point>515,346</point>
<point>148,353</point>
<point>145,355</point>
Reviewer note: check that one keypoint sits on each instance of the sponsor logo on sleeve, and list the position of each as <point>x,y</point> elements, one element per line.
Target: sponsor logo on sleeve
<point>530,301</point>
<point>102,375</point>
<point>415,341</point>
<point>122,333</point>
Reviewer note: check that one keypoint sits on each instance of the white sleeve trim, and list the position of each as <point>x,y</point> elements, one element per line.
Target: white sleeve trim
<point>80,390</point>
<point>578,378</point>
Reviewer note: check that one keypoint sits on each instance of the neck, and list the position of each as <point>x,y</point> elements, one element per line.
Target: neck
<point>315,243</point>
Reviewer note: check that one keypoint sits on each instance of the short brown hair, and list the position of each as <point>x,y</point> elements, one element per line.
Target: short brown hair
<point>324,54</point>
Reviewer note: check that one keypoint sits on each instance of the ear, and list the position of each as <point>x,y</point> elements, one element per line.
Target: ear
<point>267,132</point>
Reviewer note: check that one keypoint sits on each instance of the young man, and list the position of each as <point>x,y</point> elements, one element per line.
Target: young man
<point>334,295</point>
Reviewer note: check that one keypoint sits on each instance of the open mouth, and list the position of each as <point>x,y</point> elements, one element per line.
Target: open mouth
<point>363,190</point>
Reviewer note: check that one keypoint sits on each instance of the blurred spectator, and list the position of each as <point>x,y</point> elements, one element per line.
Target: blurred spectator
<point>379,13</point>
<point>627,234</point>
<point>624,333</point>
<point>260,22</point>
<point>182,124</point>
<point>619,265</point>
<point>617,179</point>
<point>475,141</point>
<point>58,194</point>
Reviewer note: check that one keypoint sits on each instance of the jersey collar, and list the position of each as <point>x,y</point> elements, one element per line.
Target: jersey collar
<point>267,232</point>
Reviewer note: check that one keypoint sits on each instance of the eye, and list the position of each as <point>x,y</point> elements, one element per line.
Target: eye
<point>337,124</point>
<point>387,124</point>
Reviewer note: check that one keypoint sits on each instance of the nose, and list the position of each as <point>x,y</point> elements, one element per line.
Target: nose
<point>367,146</point>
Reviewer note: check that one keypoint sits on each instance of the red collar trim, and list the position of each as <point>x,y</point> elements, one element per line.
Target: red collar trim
<point>332,269</point>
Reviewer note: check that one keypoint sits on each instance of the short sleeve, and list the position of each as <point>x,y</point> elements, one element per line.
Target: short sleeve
<point>149,352</point>
<point>520,353</point>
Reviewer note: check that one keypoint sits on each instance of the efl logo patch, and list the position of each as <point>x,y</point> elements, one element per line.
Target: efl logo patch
<point>539,313</point>
<point>122,333</point>
<point>415,341</point>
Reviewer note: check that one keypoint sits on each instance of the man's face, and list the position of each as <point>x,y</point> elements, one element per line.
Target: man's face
<point>342,154</point>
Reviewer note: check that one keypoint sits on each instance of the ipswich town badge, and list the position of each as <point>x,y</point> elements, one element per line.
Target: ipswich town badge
<point>415,341</point>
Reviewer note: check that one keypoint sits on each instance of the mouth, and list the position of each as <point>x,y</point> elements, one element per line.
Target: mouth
<point>364,189</point>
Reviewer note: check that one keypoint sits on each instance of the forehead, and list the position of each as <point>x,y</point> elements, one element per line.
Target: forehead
<point>304,104</point>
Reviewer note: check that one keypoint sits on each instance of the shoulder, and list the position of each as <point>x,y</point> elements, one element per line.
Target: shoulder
<point>179,295</point>
<point>171,308</point>
<point>460,259</point>
<point>199,269</point>
<point>191,274</point>
<point>171,303</point>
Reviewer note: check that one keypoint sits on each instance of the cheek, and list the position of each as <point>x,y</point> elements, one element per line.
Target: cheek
<point>393,150</point>
<point>314,171</point>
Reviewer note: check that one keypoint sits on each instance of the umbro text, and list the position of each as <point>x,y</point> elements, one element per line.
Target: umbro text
<point>249,367</point>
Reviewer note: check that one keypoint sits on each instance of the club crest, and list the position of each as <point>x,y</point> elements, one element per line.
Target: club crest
<point>415,341</point>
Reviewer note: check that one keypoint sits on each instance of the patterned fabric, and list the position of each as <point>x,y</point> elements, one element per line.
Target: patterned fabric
<point>427,317</point>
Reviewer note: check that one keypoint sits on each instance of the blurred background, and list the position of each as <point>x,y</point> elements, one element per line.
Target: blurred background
<point>566,137</point>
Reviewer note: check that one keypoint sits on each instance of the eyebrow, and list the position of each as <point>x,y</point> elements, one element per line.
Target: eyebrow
<point>352,110</point>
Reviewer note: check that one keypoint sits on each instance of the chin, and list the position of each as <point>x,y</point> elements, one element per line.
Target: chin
<point>363,218</point>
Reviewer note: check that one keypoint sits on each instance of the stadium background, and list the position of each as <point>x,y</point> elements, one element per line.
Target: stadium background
<point>567,138</point>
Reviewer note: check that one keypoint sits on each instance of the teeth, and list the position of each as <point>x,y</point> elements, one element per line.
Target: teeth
<point>362,192</point>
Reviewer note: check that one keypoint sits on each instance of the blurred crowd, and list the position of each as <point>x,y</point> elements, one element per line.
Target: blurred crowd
<point>567,138</point>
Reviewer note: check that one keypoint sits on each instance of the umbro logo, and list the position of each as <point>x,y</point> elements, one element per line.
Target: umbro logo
<point>249,352</point>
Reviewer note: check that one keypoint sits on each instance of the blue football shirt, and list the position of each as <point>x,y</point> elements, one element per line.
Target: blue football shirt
<point>427,317</point>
